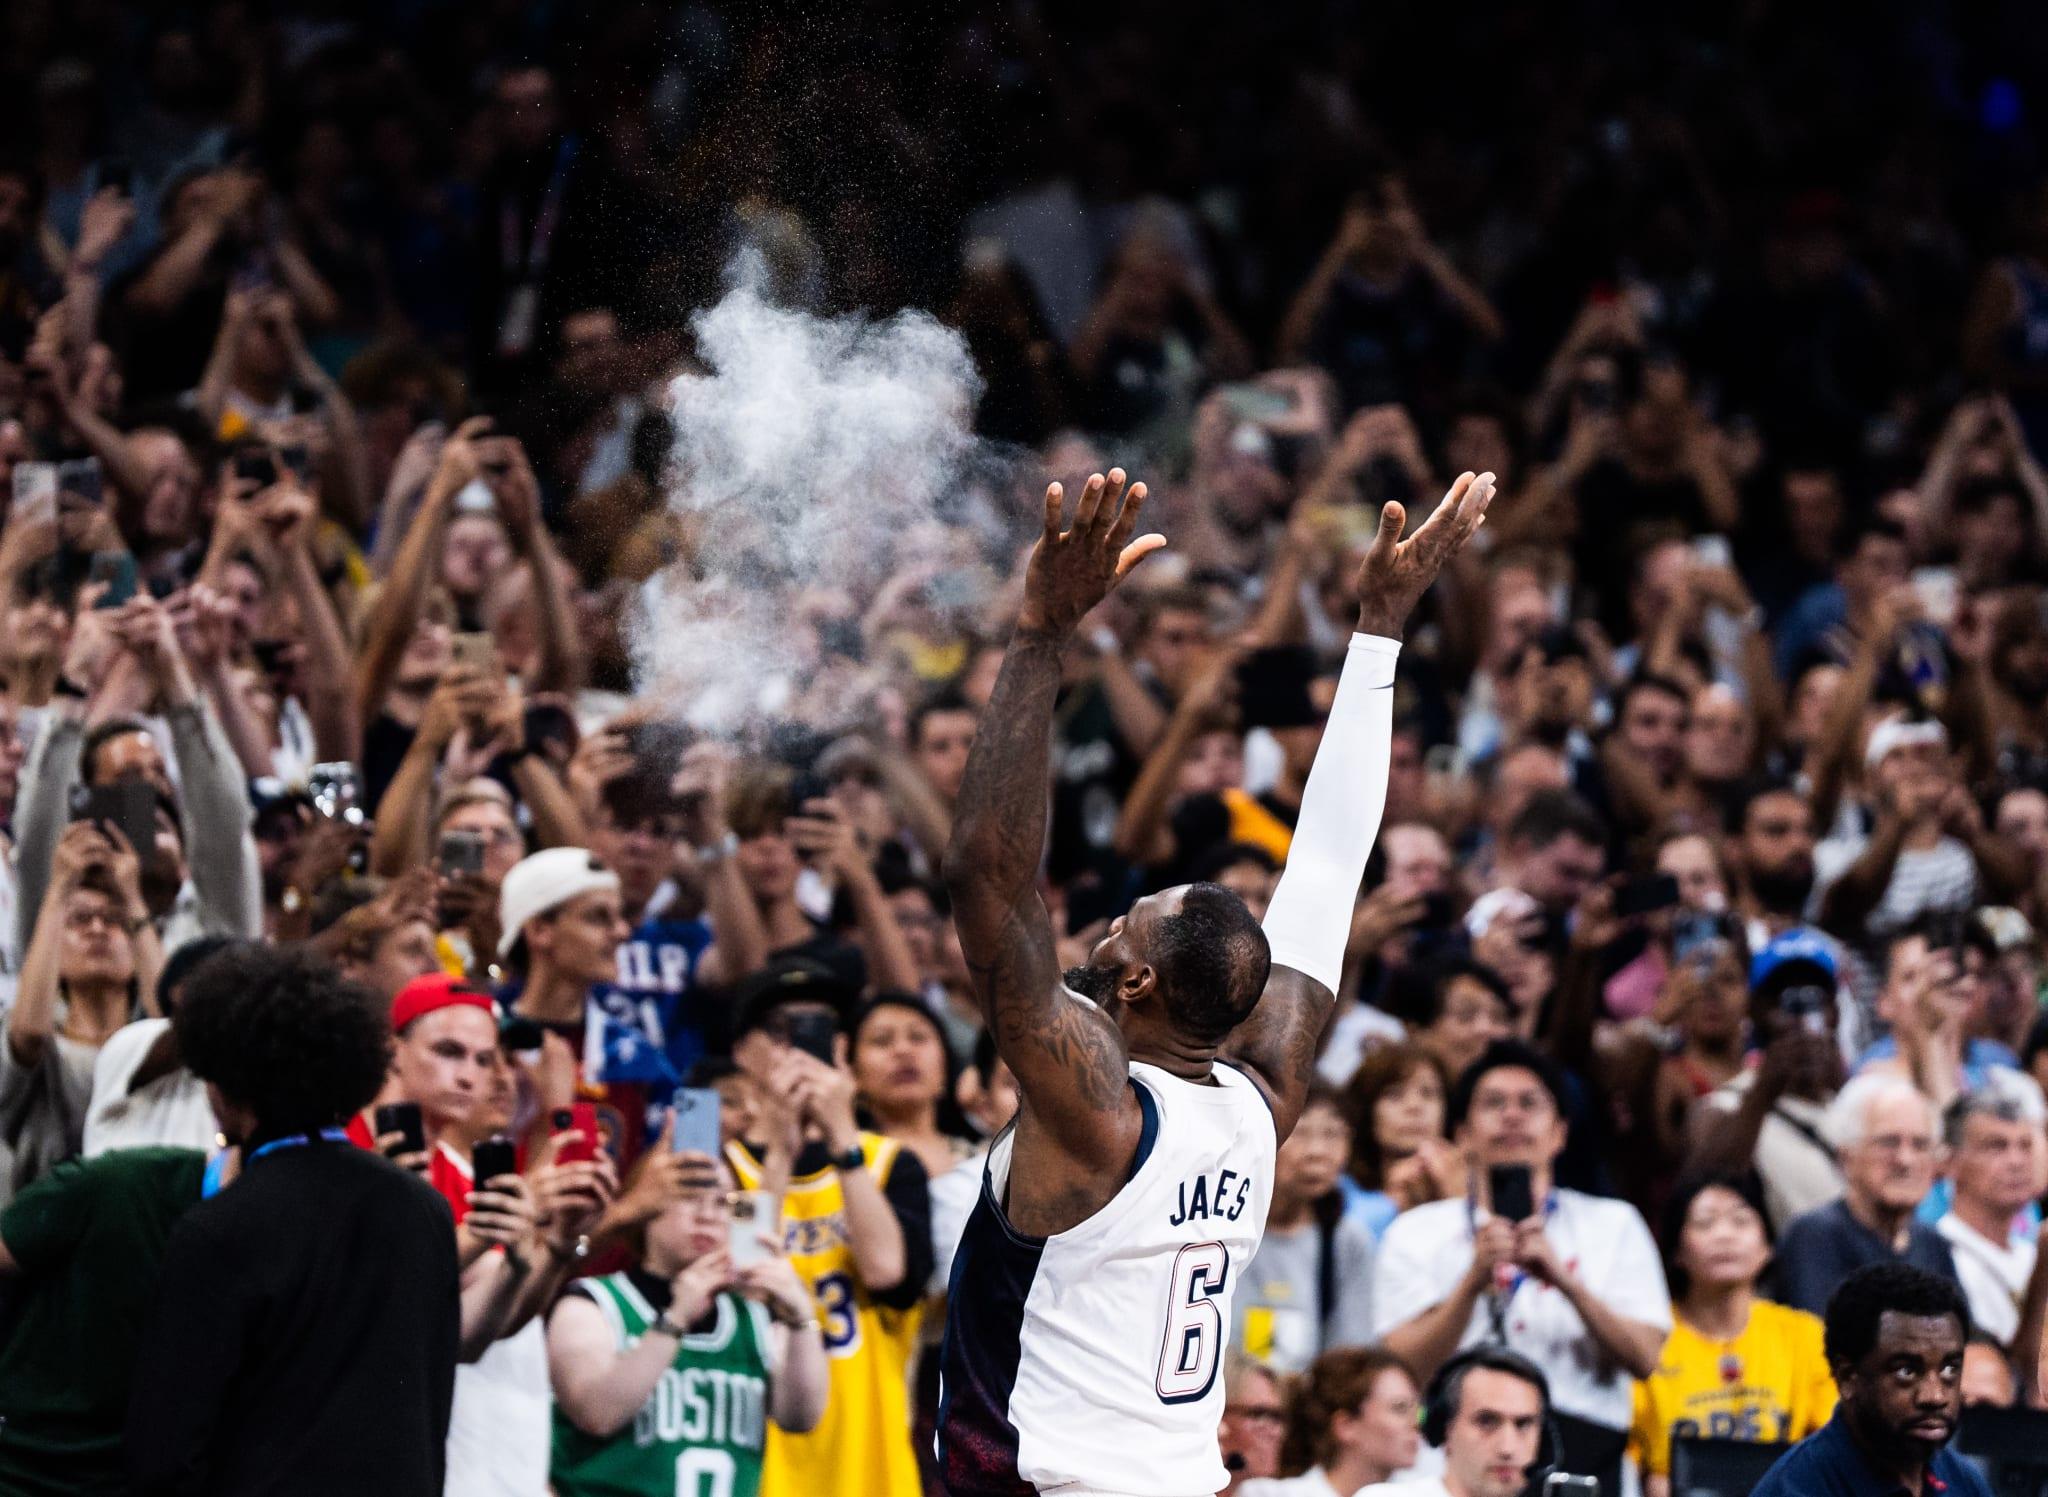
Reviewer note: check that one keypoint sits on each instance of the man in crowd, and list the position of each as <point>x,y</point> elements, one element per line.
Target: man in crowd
<point>1884,1133</point>
<point>1490,1411</point>
<point>1994,1145</point>
<point>1895,1340</point>
<point>291,1306</point>
<point>1576,1285</point>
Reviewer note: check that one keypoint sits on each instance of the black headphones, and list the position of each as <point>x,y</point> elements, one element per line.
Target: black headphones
<point>1440,1400</point>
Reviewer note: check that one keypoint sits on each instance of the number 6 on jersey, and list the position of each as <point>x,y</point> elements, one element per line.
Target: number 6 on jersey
<point>1194,1323</point>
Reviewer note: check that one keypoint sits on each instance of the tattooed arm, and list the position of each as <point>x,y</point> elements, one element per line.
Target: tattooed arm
<point>1068,1055</point>
<point>1310,913</point>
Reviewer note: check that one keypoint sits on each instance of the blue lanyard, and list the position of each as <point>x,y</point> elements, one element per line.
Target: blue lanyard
<point>1498,1300</point>
<point>216,1164</point>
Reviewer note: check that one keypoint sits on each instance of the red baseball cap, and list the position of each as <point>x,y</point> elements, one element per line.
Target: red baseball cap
<point>437,990</point>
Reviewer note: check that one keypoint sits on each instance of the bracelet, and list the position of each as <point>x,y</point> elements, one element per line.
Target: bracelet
<point>667,1326</point>
<point>719,851</point>
<point>576,1252</point>
<point>809,1322</point>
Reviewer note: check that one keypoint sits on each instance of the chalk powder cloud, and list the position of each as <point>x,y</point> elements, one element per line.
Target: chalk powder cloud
<point>805,449</point>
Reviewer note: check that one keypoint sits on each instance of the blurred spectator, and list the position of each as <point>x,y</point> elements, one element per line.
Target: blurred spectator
<point>632,1352</point>
<point>1254,1421</point>
<point>1576,1285</point>
<point>1400,1156</point>
<point>1737,1366</point>
<point>1996,1152</point>
<point>1309,1286</point>
<point>857,1218</point>
<point>1885,1134</point>
<point>142,1091</point>
<point>92,958</point>
<point>1351,1423</point>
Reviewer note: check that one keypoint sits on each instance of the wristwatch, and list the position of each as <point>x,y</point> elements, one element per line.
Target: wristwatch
<point>667,1326</point>
<point>719,851</point>
<point>853,1159</point>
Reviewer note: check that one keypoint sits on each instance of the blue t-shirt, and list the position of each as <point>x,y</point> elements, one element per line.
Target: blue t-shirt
<point>656,990</point>
<point>1820,1248</point>
<point>1828,1464</point>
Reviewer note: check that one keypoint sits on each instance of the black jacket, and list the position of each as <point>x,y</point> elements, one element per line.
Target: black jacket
<point>303,1338</point>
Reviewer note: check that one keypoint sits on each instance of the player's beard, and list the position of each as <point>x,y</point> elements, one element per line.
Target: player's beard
<point>1097,984</point>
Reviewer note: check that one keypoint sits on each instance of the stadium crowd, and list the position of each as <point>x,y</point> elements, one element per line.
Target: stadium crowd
<point>1703,955</point>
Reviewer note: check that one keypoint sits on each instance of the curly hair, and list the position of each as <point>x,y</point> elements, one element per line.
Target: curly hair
<point>1336,1383</point>
<point>281,1033</point>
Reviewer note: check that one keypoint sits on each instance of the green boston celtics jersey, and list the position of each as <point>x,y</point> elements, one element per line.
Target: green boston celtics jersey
<point>701,1431</point>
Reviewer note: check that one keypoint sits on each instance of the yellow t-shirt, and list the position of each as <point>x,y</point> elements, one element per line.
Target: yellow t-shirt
<point>861,1448</point>
<point>1770,1383</point>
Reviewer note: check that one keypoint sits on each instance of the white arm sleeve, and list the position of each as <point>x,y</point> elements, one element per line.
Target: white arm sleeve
<point>1309,918</point>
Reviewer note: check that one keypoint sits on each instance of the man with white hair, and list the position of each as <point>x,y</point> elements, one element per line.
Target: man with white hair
<point>1994,1145</point>
<point>1883,1131</point>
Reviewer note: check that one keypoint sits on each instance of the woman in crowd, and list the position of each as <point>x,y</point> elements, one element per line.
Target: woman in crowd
<point>1351,1423</point>
<point>667,1373</point>
<point>907,1081</point>
<point>1399,1155</point>
<point>1455,1006</point>
<point>1737,1366</point>
<point>1309,1286</point>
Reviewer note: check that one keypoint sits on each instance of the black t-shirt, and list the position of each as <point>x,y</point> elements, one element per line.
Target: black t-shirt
<point>304,1336</point>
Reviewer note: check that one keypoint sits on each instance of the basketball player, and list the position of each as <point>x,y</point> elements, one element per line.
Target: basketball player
<point>1091,1293</point>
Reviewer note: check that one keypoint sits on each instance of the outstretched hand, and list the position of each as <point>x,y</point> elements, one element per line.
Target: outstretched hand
<point>1396,572</point>
<point>1072,570</point>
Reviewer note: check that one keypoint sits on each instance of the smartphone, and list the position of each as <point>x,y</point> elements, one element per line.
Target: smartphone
<point>804,789</point>
<point>1438,911</point>
<point>697,1121</point>
<point>1509,1190</point>
<point>1713,551</point>
<point>752,1216</point>
<point>333,788</point>
<point>127,804</point>
<point>80,480</point>
<point>493,1157</point>
<point>548,724</point>
<point>813,1033</point>
<point>520,1035</point>
<point>35,493</point>
<point>1257,403</point>
<point>256,465</point>
<point>1808,1004</point>
<point>478,650</point>
<point>268,654</point>
<point>116,571</point>
<point>402,1118</point>
<point>581,1116</point>
<point>460,852</point>
<point>1643,896</point>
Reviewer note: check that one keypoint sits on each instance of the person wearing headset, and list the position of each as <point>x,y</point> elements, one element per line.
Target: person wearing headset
<point>1489,1410</point>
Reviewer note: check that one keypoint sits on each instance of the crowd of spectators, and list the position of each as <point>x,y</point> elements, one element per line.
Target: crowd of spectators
<point>1703,955</point>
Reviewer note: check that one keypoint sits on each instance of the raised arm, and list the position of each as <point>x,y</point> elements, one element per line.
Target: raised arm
<point>1310,914</point>
<point>1068,1055</point>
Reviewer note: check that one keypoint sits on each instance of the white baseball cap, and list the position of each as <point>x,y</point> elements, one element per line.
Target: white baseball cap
<point>546,881</point>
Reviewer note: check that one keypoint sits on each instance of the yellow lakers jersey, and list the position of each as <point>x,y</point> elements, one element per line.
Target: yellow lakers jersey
<point>1770,1383</point>
<point>862,1446</point>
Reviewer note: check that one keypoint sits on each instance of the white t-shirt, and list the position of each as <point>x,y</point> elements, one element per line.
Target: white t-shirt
<point>498,1426</point>
<point>1994,1275</point>
<point>1602,1243</point>
<point>1314,1483</point>
<point>169,1112</point>
<point>1359,1025</point>
<point>1400,1487</point>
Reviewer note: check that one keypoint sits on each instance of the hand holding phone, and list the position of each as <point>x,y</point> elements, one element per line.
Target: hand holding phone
<point>491,1158</point>
<point>580,1118</point>
<point>697,1125</point>
<point>1510,1193</point>
<point>405,1120</point>
<point>752,1217</point>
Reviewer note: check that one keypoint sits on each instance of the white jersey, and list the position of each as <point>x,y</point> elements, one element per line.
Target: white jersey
<point>1090,1362</point>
